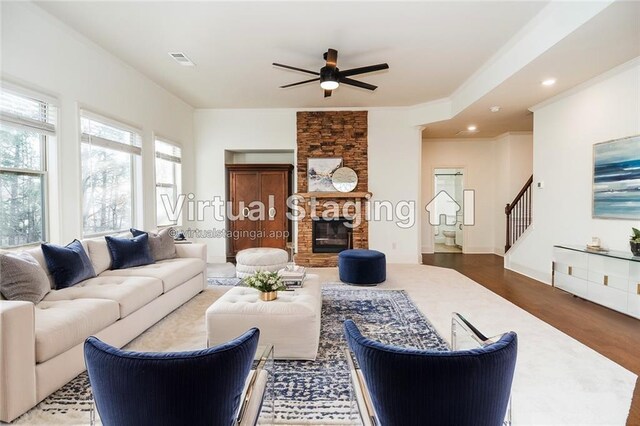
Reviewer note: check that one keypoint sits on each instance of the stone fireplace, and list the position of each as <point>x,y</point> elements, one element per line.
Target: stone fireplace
<point>330,134</point>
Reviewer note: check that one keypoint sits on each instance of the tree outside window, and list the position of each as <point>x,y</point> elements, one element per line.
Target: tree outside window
<point>107,176</point>
<point>25,126</point>
<point>168,181</point>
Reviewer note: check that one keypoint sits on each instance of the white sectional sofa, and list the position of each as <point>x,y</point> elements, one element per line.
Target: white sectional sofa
<point>41,346</point>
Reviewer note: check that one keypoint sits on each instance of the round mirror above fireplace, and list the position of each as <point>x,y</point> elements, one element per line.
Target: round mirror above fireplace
<point>344,179</point>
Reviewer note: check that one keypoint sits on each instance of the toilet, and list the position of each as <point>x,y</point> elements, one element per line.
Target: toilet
<point>449,238</point>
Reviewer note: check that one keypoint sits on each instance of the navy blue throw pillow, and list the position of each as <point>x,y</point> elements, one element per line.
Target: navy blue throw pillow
<point>67,265</point>
<point>129,252</point>
<point>137,232</point>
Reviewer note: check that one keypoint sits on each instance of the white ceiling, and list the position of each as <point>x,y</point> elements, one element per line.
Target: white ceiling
<point>609,39</point>
<point>431,47</point>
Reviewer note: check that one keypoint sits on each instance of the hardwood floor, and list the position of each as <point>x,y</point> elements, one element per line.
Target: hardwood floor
<point>614,335</point>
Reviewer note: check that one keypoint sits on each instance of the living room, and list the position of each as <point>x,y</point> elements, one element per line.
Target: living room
<point>497,92</point>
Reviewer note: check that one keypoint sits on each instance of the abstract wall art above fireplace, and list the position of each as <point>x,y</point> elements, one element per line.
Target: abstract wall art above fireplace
<point>616,179</point>
<point>319,172</point>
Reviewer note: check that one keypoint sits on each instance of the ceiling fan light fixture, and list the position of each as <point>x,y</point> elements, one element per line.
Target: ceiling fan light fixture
<point>329,78</point>
<point>329,84</point>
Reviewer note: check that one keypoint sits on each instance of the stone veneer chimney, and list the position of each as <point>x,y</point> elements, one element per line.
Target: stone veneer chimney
<point>325,134</point>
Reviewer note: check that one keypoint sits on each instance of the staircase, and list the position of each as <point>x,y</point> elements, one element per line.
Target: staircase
<point>518,214</point>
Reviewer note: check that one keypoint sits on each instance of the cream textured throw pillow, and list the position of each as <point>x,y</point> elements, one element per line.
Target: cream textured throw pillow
<point>22,278</point>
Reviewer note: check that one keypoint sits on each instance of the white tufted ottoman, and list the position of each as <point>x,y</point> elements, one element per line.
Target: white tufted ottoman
<point>291,323</point>
<point>249,261</point>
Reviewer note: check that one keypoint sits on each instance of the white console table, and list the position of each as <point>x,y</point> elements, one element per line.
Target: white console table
<point>611,279</point>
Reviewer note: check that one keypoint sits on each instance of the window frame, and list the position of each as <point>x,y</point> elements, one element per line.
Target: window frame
<point>164,185</point>
<point>135,153</point>
<point>46,137</point>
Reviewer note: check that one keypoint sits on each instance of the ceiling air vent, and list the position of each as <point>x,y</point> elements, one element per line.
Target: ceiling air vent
<point>182,59</point>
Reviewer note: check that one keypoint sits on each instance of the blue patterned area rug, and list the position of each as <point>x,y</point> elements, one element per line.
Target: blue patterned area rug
<point>318,392</point>
<point>305,392</point>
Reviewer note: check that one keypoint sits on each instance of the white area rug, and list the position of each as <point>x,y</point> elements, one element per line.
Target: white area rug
<point>558,380</point>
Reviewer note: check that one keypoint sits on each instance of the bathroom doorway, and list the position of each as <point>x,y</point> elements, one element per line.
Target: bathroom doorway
<point>448,189</point>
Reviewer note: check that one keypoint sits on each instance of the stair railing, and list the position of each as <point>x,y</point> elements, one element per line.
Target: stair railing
<point>518,214</point>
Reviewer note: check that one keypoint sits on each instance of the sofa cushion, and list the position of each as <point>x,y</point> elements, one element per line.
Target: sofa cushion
<point>172,272</point>
<point>129,252</point>
<point>69,264</point>
<point>63,324</point>
<point>131,293</point>
<point>99,254</point>
<point>161,244</point>
<point>22,278</point>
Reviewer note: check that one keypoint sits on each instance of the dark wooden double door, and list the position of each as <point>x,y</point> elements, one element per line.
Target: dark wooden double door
<point>252,185</point>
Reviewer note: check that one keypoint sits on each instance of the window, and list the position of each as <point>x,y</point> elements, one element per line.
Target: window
<point>26,126</point>
<point>168,181</point>
<point>110,151</point>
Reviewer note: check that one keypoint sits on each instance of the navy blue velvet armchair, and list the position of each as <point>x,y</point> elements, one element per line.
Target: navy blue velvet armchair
<point>417,387</point>
<point>201,387</point>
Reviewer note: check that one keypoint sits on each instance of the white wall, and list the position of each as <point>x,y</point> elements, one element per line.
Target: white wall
<point>394,165</point>
<point>397,158</point>
<point>217,130</point>
<point>565,129</point>
<point>514,166</point>
<point>495,169</point>
<point>54,59</point>
<point>394,175</point>
<point>260,157</point>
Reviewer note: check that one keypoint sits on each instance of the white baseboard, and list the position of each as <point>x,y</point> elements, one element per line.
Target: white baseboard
<point>479,250</point>
<point>529,272</point>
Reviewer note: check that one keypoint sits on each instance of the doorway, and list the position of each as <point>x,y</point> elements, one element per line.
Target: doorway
<point>448,202</point>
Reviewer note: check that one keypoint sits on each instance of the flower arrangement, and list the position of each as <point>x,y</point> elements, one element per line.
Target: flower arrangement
<point>265,282</point>
<point>634,241</point>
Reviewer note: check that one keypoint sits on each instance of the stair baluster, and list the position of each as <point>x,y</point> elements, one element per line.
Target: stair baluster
<point>518,214</point>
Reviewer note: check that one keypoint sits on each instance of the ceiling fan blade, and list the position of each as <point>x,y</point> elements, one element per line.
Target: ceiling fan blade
<point>357,83</point>
<point>327,93</point>
<point>362,70</point>
<point>299,83</point>
<point>332,58</point>
<point>295,69</point>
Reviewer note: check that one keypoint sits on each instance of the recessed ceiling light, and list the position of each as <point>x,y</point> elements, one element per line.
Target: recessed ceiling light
<point>549,82</point>
<point>182,59</point>
<point>472,128</point>
<point>494,108</point>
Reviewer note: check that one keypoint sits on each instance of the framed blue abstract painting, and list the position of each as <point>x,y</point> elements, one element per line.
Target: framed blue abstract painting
<point>616,179</point>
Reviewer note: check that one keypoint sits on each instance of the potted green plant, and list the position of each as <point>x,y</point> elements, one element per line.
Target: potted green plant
<point>267,283</point>
<point>634,242</point>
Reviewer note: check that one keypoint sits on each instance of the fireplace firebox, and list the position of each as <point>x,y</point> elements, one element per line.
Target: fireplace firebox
<point>331,235</point>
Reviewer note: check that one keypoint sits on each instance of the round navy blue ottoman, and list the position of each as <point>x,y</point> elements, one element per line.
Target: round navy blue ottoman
<point>362,267</point>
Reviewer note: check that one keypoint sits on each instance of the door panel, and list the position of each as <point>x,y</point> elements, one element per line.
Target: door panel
<point>243,190</point>
<point>274,187</point>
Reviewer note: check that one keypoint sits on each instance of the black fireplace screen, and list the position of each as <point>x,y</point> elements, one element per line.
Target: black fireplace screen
<point>331,235</point>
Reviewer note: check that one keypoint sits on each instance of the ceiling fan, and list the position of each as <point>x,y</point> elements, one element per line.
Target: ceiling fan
<point>331,77</point>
